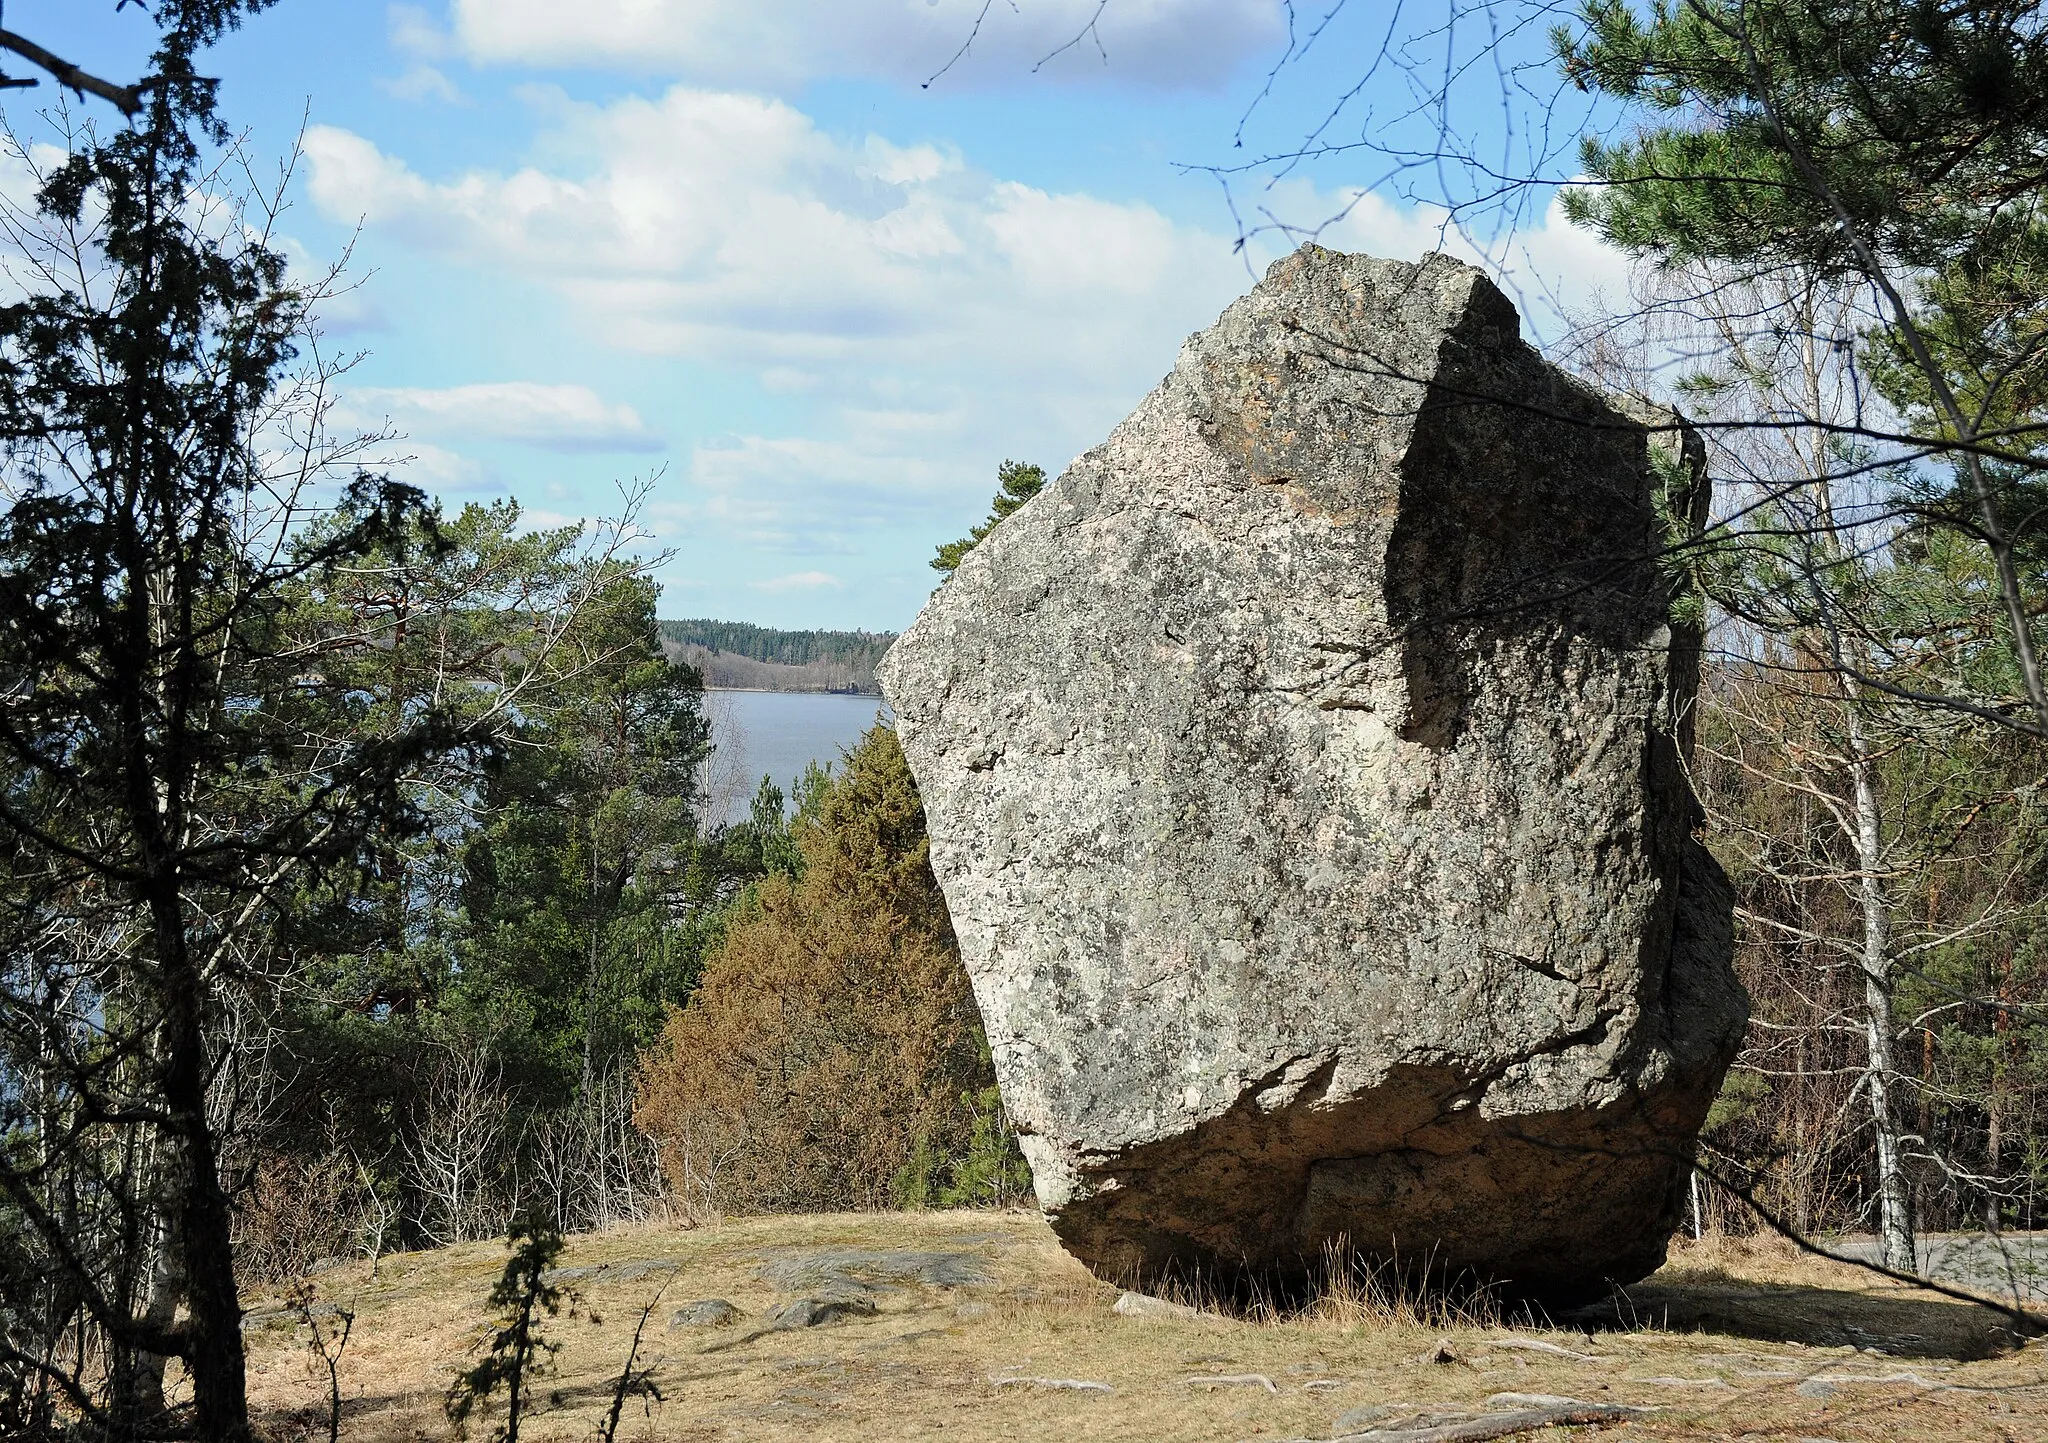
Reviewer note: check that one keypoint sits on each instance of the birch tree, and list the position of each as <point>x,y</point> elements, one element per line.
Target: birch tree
<point>1827,629</point>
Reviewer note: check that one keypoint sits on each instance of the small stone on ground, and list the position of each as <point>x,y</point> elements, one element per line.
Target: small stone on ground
<point>1143,1305</point>
<point>705,1313</point>
<point>815,1312</point>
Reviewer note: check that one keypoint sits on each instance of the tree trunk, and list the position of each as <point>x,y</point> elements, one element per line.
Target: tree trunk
<point>202,1219</point>
<point>1994,1139</point>
<point>590,979</point>
<point>1895,1226</point>
<point>605,891</point>
<point>137,1387</point>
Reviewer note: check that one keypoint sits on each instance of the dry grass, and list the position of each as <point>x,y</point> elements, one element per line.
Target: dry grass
<point>1733,1339</point>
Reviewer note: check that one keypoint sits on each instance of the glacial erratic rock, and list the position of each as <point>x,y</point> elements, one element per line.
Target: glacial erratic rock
<point>1304,773</point>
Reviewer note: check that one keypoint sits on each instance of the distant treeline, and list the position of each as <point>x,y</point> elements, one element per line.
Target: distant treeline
<point>739,654</point>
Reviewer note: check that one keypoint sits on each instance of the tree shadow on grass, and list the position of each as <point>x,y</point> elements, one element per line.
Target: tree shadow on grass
<point>399,1415</point>
<point>1899,1323</point>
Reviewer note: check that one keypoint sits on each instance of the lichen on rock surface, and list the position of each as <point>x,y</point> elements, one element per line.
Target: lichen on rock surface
<point>1305,774</point>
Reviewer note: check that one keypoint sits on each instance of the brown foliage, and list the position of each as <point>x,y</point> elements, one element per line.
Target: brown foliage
<point>833,1034</point>
<point>299,1213</point>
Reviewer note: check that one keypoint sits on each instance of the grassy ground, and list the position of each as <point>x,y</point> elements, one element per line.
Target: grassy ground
<point>1732,1340</point>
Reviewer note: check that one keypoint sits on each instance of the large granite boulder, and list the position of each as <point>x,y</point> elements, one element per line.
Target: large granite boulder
<point>1304,770</point>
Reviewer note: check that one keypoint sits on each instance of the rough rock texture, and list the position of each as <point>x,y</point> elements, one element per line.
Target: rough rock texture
<point>816,1312</point>
<point>796,1269</point>
<point>620,1272</point>
<point>704,1313</point>
<point>1303,770</point>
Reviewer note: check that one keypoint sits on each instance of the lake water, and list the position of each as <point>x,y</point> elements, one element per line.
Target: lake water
<point>776,734</point>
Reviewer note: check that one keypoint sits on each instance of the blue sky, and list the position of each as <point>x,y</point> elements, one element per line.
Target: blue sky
<point>738,245</point>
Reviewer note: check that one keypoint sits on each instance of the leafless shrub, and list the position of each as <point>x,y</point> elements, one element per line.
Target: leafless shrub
<point>586,1165</point>
<point>299,1213</point>
<point>454,1155</point>
<point>697,1155</point>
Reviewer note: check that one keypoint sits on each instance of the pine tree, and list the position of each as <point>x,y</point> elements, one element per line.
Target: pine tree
<point>1017,482</point>
<point>1898,150</point>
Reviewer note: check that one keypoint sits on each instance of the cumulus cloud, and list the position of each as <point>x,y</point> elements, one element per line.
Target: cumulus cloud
<point>750,42</point>
<point>416,36</point>
<point>424,82</point>
<point>554,418</point>
<point>434,469</point>
<point>927,318</point>
<point>933,315</point>
<point>414,33</point>
<point>728,226</point>
<point>812,496</point>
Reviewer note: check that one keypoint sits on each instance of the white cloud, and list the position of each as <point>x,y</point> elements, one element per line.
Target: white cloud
<point>424,82</point>
<point>799,581</point>
<point>929,319</point>
<point>1146,42</point>
<point>534,518</point>
<point>415,34</point>
<point>555,418</point>
<point>810,496</point>
<point>936,318</point>
<point>434,469</point>
<point>728,227</point>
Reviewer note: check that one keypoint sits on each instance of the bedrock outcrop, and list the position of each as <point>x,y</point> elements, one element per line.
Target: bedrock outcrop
<point>1304,771</point>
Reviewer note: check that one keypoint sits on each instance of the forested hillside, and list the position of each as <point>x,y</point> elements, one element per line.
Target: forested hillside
<point>354,852</point>
<point>739,654</point>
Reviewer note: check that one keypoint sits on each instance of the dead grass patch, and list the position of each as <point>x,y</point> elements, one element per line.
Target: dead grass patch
<point>1733,1338</point>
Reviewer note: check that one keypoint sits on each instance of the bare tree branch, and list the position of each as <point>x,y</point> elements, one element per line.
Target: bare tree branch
<point>125,98</point>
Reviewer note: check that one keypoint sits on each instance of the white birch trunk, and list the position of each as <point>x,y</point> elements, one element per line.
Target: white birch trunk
<point>1895,1225</point>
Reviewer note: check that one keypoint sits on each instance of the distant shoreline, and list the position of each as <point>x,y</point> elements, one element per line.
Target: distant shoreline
<point>739,656</point>
<point>795,691</point>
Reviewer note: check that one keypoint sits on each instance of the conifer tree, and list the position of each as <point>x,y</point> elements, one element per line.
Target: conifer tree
<point>156,791</point>
<point>1017,482</point>
<point>1895,149</point>
<point>833,1038</point>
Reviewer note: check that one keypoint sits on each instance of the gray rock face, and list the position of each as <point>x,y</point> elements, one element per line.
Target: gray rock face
<point>620,1272</point>
<point>816,1312</point>
<point>704,1313</point>
<point>1303,770</point>
<point>796,1269</point>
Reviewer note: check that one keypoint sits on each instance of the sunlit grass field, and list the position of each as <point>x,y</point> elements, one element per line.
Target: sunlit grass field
<point>1733,1339</point>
